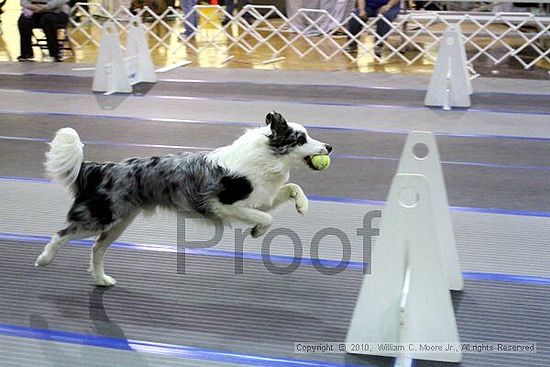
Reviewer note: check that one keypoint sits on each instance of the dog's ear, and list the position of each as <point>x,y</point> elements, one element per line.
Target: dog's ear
<point>276,121</point>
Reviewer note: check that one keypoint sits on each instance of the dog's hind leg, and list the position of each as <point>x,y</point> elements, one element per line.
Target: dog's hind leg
<point>100,248</point>
<point>261,220</point>
<point>72,232</point>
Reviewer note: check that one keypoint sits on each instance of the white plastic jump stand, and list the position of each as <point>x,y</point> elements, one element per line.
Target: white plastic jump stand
<point>110,72</point>
<point>115,74</point>
<point>138,59</point>
<point>420,155</point>
<point>450,84</point>
<point>406,298</point>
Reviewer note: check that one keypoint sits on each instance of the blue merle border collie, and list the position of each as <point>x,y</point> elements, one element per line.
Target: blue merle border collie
<point>241,181</point>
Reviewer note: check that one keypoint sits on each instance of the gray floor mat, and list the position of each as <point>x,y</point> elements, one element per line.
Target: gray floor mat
<point>258,312</point>
<point>363,167</point>
<point>487,243</point>
<point>337,95</point>
<point>254,313</point>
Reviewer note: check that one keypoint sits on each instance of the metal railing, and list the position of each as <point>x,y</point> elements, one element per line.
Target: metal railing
<point>498,37</point>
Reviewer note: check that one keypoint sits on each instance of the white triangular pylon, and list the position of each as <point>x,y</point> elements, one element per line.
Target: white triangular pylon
<point>138,58</point>
<point>420,155</point>
<point>405,300</point>
<point>450,84</point>
<point>110,72</point>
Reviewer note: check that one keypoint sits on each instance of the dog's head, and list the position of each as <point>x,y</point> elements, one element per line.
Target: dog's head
<point>291,142</point>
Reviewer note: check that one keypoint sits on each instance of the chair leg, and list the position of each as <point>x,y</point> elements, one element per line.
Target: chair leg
<point>65,42</point>
<point>41,43</point>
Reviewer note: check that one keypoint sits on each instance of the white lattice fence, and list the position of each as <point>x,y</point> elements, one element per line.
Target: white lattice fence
<point>412,36</point>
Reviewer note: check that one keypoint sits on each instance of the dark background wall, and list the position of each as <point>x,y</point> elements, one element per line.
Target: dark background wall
<point>280,4</point>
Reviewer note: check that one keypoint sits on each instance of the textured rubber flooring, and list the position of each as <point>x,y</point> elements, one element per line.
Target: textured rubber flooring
<point>25,352</point>
<point>259,313</point>
<point>344,78</point>
<point>254,313</point>
<point>486,242</point>
<point>330,116</point>
<point>271,92</point>
<point>478,172</point>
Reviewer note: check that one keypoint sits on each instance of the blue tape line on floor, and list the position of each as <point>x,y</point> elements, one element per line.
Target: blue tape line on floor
<point>353,265</point>
<point>345,200</point>
<point>169,350</point>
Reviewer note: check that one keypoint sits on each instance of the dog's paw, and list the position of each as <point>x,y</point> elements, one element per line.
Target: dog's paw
<point>105,281</point>
<point>299,197</point>
<point>259,230</point>
<point>44,259</point>
<point>302,204</point>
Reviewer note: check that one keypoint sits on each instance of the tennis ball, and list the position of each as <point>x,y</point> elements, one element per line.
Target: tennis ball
<point>320,162</point>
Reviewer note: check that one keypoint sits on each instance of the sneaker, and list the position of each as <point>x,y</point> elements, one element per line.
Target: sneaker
<point>351,48</point>
<point>378,50</point>
<point>59,58</point>
<point>23,58</point>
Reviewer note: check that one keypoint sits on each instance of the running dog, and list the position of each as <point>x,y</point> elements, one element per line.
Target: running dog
<point>241,181</point>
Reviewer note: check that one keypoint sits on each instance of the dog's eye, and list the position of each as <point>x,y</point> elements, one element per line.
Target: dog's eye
<point>301,140</point>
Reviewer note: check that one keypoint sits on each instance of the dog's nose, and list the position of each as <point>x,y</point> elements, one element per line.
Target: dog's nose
<point>328,148</point>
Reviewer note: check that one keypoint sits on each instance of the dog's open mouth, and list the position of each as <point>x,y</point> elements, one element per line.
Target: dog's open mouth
<point>308,161</point>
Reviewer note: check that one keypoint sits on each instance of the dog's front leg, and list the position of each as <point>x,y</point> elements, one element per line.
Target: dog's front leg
<point>292,191</point>
<point>261,220</point>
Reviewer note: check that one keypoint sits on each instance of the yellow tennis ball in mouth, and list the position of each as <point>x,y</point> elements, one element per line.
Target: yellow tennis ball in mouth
<point>320,162</point>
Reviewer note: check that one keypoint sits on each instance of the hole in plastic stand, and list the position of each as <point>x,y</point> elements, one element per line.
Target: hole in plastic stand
<point>420,150</point>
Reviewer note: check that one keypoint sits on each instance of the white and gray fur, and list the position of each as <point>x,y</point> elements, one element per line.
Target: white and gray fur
<point>241,181</point>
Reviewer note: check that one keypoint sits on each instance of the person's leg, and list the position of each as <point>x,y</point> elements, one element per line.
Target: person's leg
<point>191,20</point>
<point>249,18</point>
<point>50,22</point>
<point>25,25</point>
<point>230,6</point>
<point>354,27</point>
<point>383,27</point>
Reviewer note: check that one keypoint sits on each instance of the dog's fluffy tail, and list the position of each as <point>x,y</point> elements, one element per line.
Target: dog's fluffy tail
<point>65,157</point>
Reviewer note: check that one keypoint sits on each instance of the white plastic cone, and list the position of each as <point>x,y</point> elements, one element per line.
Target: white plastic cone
<point>406,299</point>
<point>138,58</point>
<point>429,165</point>
<point>110,72</point>
<point>450,84</point>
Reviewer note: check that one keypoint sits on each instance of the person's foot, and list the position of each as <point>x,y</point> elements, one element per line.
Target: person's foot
<point>24,58</point>
<point>378,50</point>
<point>351,49</point>
<point>59,58</point>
